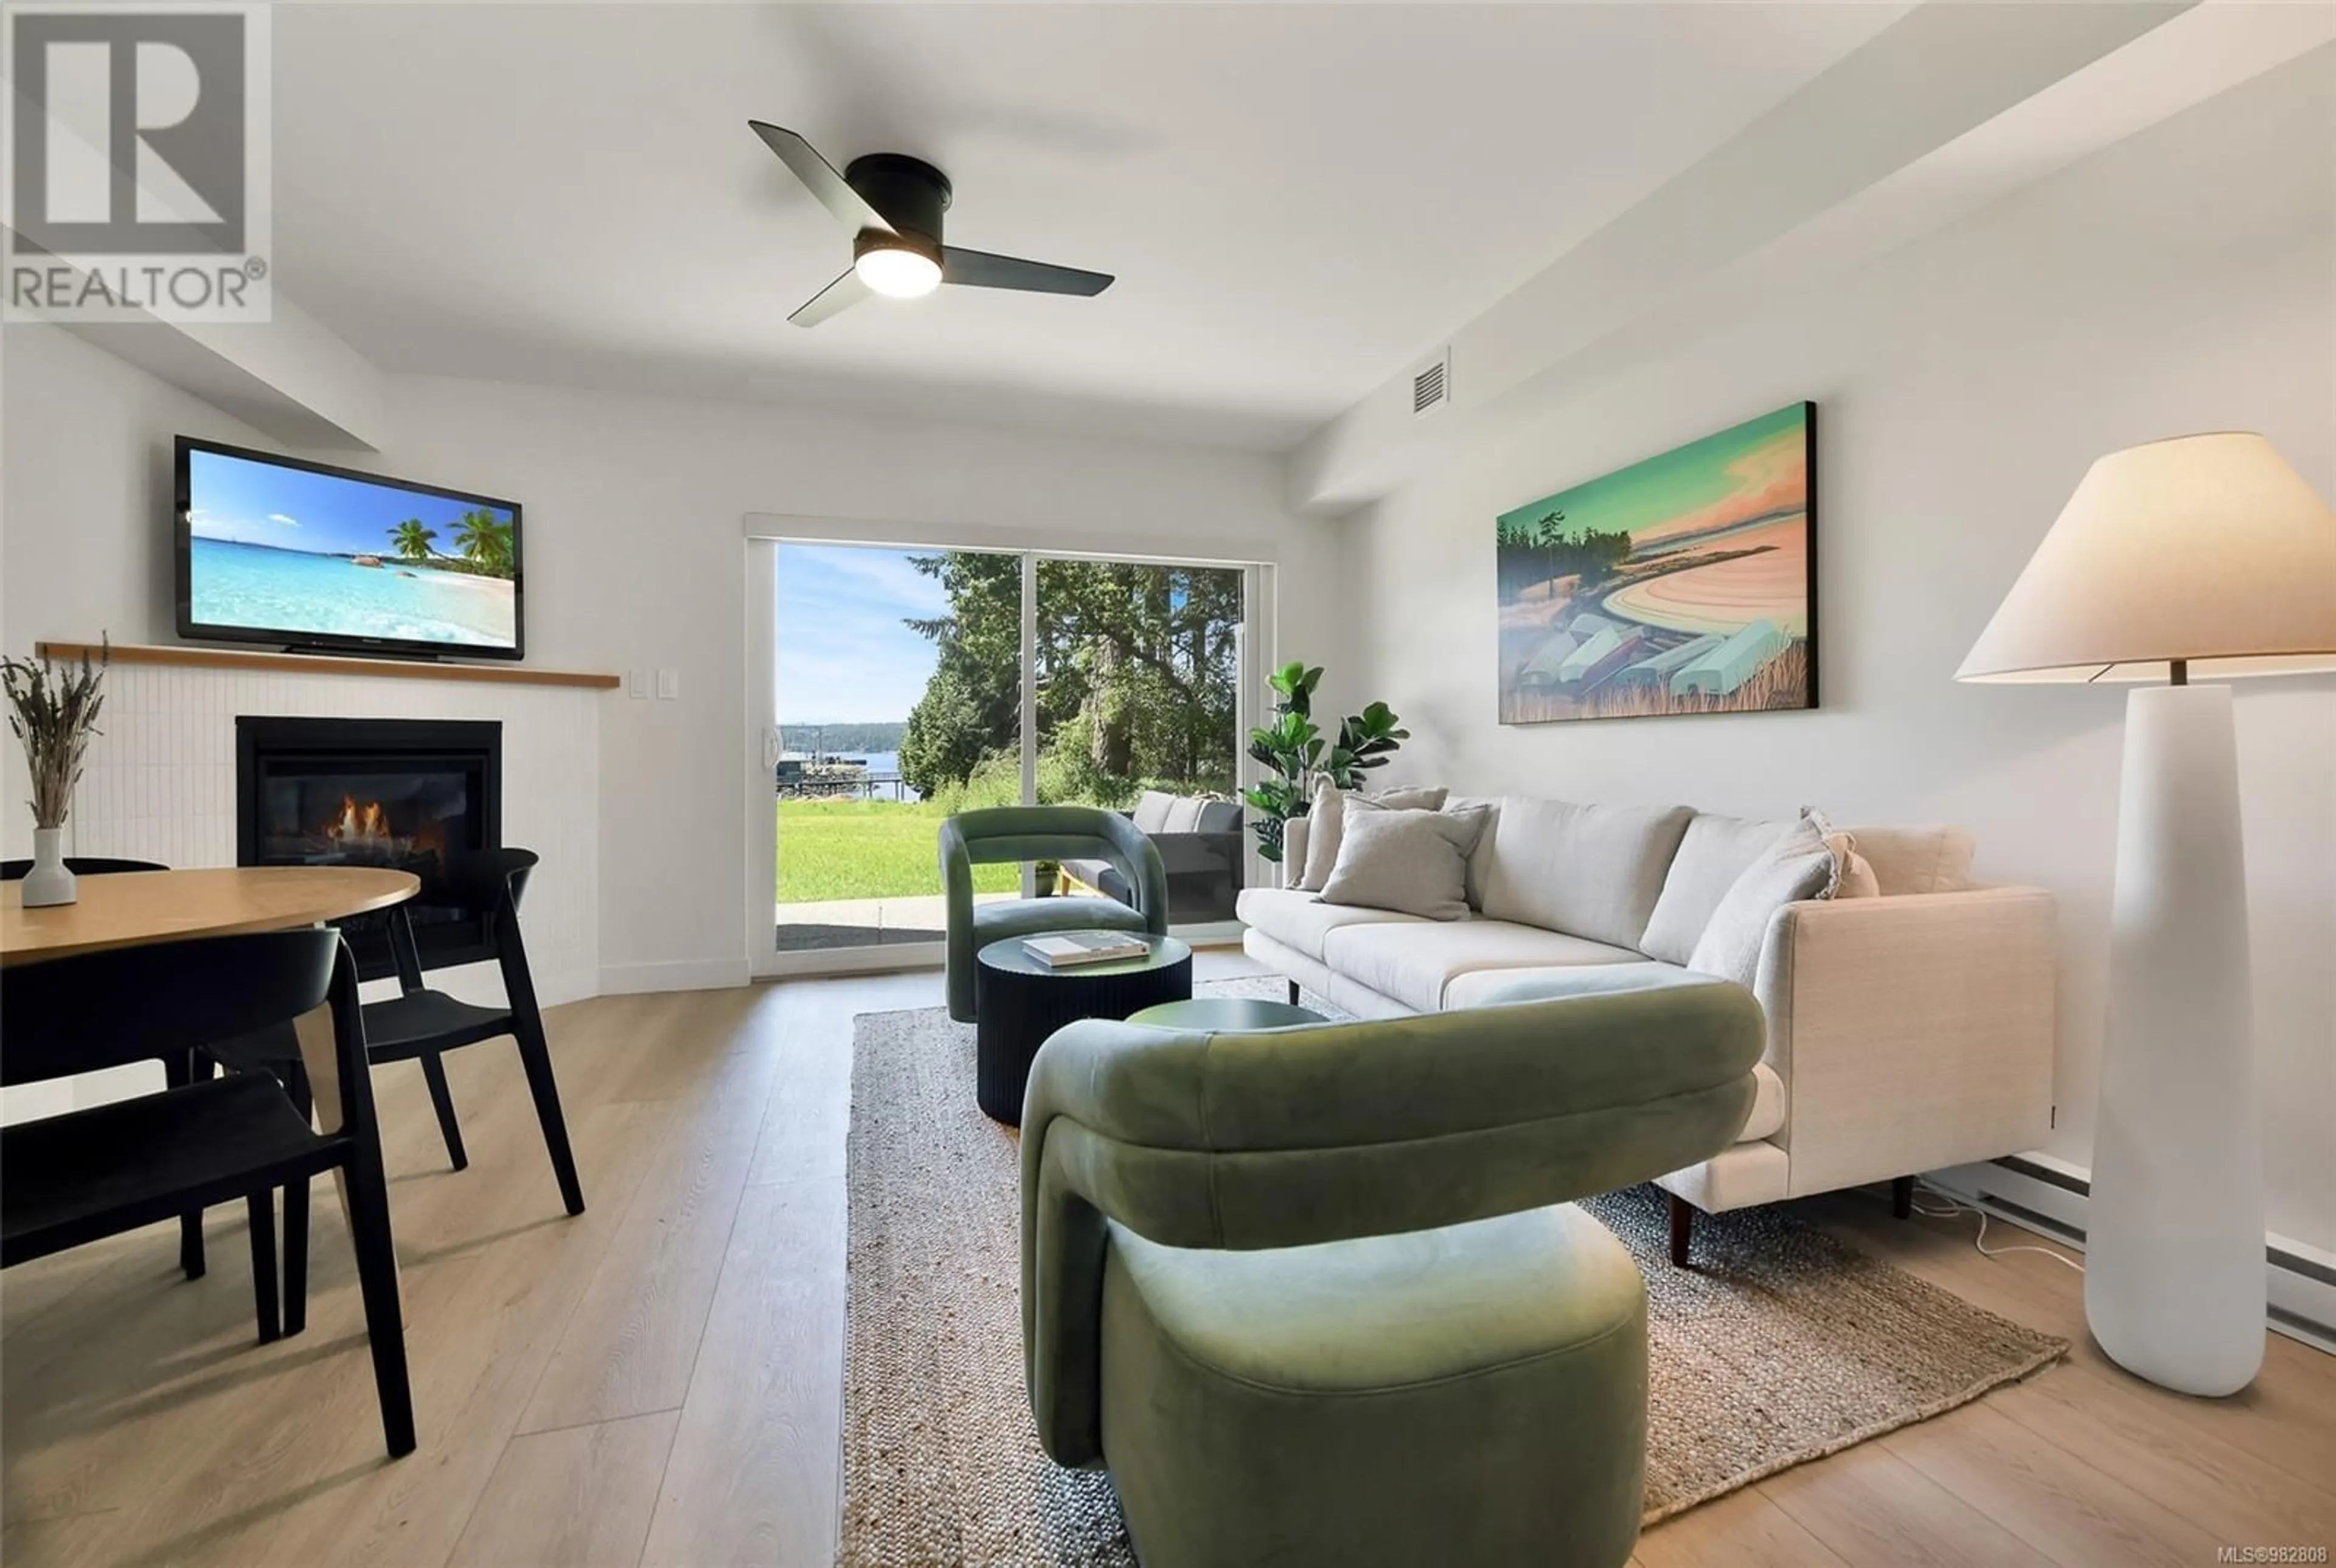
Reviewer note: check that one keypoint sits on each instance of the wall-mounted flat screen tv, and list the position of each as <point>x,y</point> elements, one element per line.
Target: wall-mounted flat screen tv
<point>276,550</point>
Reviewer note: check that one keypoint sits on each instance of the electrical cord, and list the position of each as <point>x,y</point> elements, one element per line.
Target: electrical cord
<point>1956,1207</point>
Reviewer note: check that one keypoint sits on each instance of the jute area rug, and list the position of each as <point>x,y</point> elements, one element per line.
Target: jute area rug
<point>1782,1345</point>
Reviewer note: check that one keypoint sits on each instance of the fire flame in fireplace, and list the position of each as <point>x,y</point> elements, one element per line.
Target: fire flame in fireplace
<point>363,826</point>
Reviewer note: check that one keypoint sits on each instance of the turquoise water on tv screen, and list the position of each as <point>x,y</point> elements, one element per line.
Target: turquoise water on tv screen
<point>298,592</point>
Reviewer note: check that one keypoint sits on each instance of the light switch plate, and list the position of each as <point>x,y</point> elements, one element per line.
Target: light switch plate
<point>668,684</point>
<point>636,685</point>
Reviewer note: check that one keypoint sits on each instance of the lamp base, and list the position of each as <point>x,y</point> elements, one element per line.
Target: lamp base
<point>2173,1257</point>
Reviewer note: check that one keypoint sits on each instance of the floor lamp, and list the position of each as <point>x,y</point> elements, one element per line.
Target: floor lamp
<point>2202,556</point>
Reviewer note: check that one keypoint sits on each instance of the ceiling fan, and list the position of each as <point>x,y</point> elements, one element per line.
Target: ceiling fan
<point>893,205</point>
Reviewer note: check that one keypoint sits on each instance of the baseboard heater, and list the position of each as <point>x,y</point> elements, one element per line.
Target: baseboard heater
<point>2299,1325</point>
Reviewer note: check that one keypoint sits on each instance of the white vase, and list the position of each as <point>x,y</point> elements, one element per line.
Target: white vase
<point>49,882</point>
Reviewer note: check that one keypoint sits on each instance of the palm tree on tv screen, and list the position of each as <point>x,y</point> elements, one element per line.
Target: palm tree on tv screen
<point>485,543</point>
<point>413,538</point>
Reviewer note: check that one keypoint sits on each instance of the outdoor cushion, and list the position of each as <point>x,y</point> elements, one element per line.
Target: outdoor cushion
<point>1301,920</point>
<point>1218,817</point>
<point>1414,962</point>
<point>1152,810</point>
<point>1711,856</point>
<point>1590,871</point>
<point>1183,812</point>
<point>1097,874</point>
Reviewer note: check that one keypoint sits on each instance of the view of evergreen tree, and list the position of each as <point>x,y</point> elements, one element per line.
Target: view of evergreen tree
<point>1138,669</point>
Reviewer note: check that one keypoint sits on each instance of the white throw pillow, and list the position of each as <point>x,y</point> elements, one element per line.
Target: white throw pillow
<point>1799,865</point>
<point>1480,863</point>
<point>1412,861</point>
<point>1327,820</point>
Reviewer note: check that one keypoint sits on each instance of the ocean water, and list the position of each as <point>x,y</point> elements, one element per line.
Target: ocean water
<point>295,592</point>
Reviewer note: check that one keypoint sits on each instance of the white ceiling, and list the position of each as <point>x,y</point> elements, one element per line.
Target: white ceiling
<point>1297,201</point>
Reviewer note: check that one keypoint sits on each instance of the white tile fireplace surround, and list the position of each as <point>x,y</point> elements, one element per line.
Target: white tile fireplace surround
<point>160,783</point>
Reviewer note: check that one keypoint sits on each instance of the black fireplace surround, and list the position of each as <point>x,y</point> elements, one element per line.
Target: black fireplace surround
<point>408,794</point>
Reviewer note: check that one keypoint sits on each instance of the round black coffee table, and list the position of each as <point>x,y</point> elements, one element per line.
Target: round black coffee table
<point>1019,999</point>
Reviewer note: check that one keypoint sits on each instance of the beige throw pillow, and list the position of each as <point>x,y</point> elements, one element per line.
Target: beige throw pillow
<point>1327,820</point>
<point>1857,878</point>
<point>1414,862</point>
<point>1799,865</point>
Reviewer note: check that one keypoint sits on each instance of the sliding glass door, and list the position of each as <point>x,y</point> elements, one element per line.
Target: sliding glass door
<point>907,684</point>
<point>892,708</point>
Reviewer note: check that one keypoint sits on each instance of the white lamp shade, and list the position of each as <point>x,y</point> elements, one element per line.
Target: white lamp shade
<point>2207,549</point>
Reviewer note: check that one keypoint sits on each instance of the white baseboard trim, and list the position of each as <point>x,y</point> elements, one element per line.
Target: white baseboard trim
<point>689,975</point>
<point>2049,1196</point>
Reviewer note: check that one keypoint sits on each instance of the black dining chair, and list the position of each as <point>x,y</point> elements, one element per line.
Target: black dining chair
<point>69,1180</point>
<point>422,1025</point>
<point>178,1069</point>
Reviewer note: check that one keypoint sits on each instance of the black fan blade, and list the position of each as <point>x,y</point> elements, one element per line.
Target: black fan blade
<point>819,176</point>
<point>841,293</point>
<point>980,269</point>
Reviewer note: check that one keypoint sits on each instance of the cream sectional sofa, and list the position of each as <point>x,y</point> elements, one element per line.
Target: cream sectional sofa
<point>1906,1032</point>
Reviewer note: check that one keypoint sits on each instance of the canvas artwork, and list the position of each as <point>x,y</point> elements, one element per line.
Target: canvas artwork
<point>1683,584</point>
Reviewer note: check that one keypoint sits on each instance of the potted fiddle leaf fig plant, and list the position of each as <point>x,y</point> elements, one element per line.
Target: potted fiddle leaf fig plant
<point>54,711</point>
<point>1294,753</point>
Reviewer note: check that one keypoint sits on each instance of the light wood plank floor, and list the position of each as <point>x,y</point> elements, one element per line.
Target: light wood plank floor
<point>657,1381</point>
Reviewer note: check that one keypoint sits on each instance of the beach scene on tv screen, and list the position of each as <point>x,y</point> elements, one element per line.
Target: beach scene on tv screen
<point>282,550</point>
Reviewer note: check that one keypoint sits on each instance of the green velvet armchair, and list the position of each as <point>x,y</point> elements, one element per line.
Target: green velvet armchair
<point>1017,834</point>
<point>1318,1294</point>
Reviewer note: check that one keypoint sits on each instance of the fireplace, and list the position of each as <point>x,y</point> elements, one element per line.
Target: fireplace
<point>408,794</point>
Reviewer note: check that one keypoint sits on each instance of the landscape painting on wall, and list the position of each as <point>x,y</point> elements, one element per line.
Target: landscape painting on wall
<point>1683,584</point>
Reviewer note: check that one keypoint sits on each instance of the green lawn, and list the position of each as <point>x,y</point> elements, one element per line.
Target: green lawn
<point>851,849</point>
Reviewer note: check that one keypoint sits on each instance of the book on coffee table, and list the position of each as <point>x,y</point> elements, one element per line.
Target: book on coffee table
<point>1085,947</point>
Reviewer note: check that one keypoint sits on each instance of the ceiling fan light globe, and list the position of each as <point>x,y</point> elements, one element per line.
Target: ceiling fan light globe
<point>897,273</point>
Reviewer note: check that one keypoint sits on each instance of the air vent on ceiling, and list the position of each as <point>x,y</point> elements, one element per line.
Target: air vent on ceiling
<point>1431,386</point>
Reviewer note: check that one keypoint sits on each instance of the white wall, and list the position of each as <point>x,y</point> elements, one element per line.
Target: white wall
<point>635,550</point>
<point>85,495</point>
<point>2183,281</point>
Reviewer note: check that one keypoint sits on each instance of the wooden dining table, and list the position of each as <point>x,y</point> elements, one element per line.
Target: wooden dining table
<point>133,909</point>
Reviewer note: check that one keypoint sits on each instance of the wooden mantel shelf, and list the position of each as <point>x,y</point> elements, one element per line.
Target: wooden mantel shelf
<point>319,664</point>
